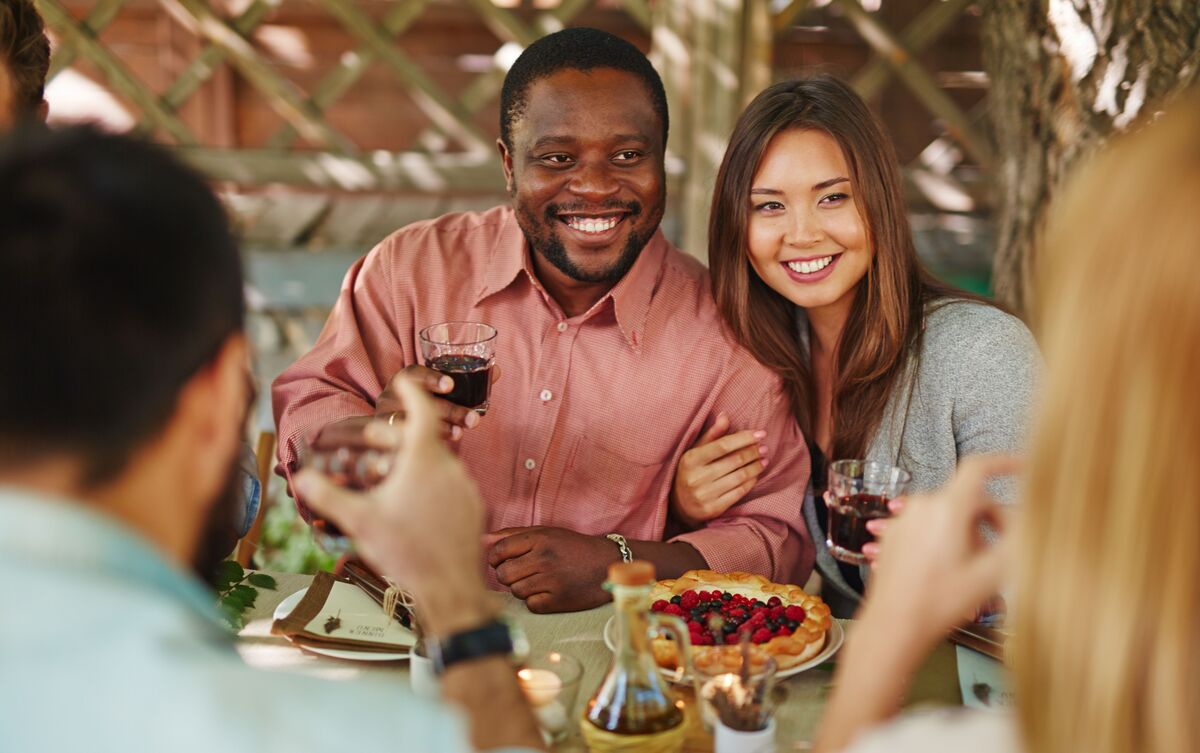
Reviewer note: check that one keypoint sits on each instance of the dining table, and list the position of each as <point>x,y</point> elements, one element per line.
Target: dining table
<point>580,634</point>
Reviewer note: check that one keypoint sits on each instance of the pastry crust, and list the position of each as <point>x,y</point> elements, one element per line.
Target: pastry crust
<point>805,642</point>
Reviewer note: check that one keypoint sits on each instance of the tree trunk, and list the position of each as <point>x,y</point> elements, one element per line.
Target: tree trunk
<point>1066,75</point>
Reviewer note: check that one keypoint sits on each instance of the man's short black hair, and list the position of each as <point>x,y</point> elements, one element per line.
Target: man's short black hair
<point>119,281</point>
<point>580,49</point>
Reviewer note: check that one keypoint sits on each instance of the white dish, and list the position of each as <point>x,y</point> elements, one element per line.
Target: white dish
<point>287,605</point>
<point>833,641</point>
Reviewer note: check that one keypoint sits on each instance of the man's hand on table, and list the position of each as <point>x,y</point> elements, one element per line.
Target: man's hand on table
<point>455,419</point>
<point>559,570</point>
<point>552,569</point>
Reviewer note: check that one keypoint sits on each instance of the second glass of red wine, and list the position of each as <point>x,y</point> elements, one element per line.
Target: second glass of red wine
<point>465,352</point>
<point>859,490</point>
<point>357,468</point>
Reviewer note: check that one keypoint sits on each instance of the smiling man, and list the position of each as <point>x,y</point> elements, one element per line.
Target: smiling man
<point>613,354</point>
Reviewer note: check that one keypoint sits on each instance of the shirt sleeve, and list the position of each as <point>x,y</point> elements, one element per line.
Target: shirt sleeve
<point>357,352</point>
<point>998,366</point>
<point>764,532</point>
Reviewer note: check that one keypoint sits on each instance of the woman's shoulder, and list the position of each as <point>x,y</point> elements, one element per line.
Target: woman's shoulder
<point>963,326</point>
<point>943,730</point>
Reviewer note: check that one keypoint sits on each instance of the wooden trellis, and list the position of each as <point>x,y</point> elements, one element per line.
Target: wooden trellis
<point>714,55</point>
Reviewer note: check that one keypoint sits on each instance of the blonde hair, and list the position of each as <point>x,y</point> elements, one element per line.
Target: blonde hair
<point>1107,651</point>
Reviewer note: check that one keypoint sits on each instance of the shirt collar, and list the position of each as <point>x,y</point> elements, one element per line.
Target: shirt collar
<point>631,296</point>
<point>45,531</point>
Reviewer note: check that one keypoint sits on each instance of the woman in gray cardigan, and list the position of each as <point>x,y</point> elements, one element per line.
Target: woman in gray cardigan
<point>815,273</point>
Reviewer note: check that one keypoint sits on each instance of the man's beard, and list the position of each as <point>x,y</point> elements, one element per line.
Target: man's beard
<point>220,526</point>
<point>551,248</point>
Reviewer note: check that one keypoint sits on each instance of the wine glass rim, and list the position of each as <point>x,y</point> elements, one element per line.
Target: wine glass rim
<point>424,334</point>
<point>838,467</point>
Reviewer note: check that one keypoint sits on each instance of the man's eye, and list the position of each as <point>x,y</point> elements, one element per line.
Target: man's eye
<point>557,159</point>
<point>628,155</point>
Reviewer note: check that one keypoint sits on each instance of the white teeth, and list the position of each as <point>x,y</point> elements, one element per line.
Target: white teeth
<point>810,266</point>
<point>593,224</point>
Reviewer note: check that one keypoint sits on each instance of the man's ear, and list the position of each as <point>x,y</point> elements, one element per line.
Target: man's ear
<point>43,111</point>
<point>507,162</point>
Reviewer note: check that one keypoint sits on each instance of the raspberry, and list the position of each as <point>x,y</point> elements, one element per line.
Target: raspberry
<point>777,613</point>
<point>737,614</point>
<point>784,631</point>
<point>706,596</point>
<point>674,609</point>
<point>745,627</point>
<point>694,626</point>
<point>689,600</point>
<point>774,601</point>
<point>762,635</point>
<point>794,613</point>
<point>659,606</point>
<point>732,638</point>
<point>758,618</point>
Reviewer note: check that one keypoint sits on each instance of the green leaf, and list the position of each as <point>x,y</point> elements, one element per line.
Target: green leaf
<point>232,615</point>
<point>245,593</point>
<point>262,580</point>
<point>228,573</point>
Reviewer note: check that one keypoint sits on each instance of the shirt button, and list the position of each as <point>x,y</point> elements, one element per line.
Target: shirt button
<point>562,327</point>
<point>529,464</point>
<point>545,395</point>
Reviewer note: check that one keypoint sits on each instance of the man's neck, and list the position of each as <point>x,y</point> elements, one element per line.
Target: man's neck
<point>573,296</point>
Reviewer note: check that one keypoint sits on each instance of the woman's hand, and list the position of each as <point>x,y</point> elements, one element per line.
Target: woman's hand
<point>718,471</point>
<point>932,562</point>
<point>933,569</point>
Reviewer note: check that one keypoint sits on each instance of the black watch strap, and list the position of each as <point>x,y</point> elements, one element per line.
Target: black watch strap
<point>490,639</point>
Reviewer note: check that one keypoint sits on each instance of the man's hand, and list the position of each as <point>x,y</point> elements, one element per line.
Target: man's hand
<point>716,472</point>
<point>454,418</point>
<point>422,524</point>
<point>552,569</point>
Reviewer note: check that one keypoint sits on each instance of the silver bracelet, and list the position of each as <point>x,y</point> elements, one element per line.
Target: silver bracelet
<point>623,545</point>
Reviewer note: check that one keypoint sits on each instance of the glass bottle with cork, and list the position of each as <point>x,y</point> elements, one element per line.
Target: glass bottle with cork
<point>634,709</point>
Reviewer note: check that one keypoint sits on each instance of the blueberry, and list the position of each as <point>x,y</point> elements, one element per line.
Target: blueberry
<point>726,596</point>
<point>792,624</point>
<point>728,627</point>
<point>675,599</point>
<point>759,604</point>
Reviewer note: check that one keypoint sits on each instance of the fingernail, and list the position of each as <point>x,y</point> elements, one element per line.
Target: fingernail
<point>760,435</point>
<point>446,384</point>
<point>472,420</point>
<point>762,449</point>
<point>873,526</point>
<point>764,462</point>
<point>304,484</point>
<point>456,432</point>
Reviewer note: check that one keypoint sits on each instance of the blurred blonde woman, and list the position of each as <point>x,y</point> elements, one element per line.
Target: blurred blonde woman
<point>1106,654</point>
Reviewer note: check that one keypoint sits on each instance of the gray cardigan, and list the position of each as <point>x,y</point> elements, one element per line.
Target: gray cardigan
<point>969,392</point>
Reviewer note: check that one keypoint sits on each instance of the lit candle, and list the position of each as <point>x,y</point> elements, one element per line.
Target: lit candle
<point>541,686</point>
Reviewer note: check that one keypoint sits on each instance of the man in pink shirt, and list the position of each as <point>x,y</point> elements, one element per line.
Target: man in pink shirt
<point>614,359</point>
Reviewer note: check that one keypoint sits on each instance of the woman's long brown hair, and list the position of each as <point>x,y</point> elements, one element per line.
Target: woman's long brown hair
<point>889,302</point>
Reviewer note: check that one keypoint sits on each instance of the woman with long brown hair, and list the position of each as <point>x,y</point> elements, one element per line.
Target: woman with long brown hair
<point>815,272</point>
<point>1105,647</point>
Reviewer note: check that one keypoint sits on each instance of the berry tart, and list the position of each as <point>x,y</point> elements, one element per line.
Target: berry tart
<point>783,621</point>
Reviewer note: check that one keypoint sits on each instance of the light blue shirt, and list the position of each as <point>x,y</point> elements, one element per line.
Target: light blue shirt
<point>106,647</point>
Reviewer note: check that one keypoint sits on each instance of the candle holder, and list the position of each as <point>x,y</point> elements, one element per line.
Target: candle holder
<point>550,682</point>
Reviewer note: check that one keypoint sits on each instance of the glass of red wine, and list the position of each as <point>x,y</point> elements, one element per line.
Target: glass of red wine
<point>859,490</point>
<point>465,352</point>
<point>351,467</point>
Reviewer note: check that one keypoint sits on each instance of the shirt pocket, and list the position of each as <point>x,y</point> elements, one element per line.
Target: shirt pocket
<point>616,488</point>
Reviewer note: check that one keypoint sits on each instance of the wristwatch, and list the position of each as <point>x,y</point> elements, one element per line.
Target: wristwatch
<point>497,637</point>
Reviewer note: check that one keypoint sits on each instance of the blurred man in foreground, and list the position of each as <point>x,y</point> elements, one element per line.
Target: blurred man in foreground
<point>122,398</point>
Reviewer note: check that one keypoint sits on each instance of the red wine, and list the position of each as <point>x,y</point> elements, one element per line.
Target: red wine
<point>848,518</point>
<point>472,377</point>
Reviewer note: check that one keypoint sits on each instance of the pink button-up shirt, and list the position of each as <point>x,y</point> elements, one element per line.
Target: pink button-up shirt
<point>591,414</point>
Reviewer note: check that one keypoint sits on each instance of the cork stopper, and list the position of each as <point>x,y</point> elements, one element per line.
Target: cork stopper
<point>636,573</point>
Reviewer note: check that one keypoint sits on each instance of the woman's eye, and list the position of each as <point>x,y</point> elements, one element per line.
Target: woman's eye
<point>768,206</point>
<point>834,198</point>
